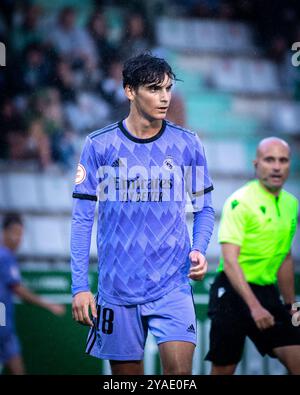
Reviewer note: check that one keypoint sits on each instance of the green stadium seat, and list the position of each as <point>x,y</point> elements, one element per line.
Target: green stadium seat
<point>222,124</point>
<point>208,101</point>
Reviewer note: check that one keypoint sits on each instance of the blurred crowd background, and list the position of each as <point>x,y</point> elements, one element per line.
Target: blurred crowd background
<point>63,80</point>
<point>64,61</point>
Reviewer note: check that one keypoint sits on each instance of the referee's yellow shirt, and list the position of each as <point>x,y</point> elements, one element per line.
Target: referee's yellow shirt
<point>263,226</point>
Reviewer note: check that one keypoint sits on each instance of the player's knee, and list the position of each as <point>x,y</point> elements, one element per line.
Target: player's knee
<point>177,370</point>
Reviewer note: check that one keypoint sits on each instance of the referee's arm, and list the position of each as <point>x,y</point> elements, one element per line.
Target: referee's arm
<point>234,272</point>
<point>286,280</point>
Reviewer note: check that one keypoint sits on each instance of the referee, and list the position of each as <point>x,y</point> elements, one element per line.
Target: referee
<point>256,232</point>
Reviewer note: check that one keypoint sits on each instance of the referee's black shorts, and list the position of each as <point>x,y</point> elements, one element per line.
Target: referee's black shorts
<point>231,322</point>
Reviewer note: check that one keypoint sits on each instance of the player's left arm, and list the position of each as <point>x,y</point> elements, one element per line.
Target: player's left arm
<point>286,280</point>
<point>203,225</point>
<point>204,215</point>
<point>25,294</point>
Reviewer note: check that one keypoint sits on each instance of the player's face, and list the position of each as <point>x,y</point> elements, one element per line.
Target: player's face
<point>152,101</point>
<point>273,165</point>
<point>13,236</point>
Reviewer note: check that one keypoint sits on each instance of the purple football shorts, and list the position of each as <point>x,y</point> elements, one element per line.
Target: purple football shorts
<point>120,332</point>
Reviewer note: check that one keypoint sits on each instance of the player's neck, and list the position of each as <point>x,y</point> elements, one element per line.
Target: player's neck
<point>142,127</point>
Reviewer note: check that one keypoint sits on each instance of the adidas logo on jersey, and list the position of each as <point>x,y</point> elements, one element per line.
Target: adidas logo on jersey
<point>191,329</point>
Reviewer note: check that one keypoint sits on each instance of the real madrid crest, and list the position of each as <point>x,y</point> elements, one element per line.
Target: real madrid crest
<point>168,163</point>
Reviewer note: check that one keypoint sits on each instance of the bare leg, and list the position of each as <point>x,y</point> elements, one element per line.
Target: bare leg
<point>127,367</point>
<point>15,365</point>
<point>223,370</point>
<point>177,357</point>
<point>289,356</point>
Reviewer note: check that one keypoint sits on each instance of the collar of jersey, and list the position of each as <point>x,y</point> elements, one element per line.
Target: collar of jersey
<point>130,136</point>
<point>266,193</point>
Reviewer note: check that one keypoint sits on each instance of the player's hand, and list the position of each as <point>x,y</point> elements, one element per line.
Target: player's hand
<point>262,317</point>
<point>57,309</point>
<point>198,267</point>
<point>81,305</point>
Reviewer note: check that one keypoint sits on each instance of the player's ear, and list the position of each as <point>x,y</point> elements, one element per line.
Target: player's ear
<point>129,92</point>
<point>255,163</point>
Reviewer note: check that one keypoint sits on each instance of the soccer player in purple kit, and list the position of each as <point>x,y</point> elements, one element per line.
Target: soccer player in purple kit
<point>139,169</point>
<point>11,283</point>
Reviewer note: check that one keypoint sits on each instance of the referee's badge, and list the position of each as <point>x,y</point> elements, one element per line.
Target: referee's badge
<point>80,175</point>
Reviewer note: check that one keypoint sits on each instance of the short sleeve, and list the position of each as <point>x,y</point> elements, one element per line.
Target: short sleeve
<point>295,220</point>
<point>233,222</point>
<point>86,176</point>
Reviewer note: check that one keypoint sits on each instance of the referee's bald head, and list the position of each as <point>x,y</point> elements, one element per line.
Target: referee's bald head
<point>268,142</point>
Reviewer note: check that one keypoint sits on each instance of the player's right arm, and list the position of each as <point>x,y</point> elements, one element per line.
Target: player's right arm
<point>263,319</point>
<point>85,198</point>
<point>231,234</point>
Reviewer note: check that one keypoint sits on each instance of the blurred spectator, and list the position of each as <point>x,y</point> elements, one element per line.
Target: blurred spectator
<point>35,146</point>
<point>36,70</point>
<point>83,65</point>
<point>90,112</point>
<point>11,122</point>
<point>97,29</point>
<point>71,41</point>
<point>27,31</point>
<point>137,36</point>
<point>65,81</point>
<point>19,143</point>
<point>113,92</point>
<point>47,127</point>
